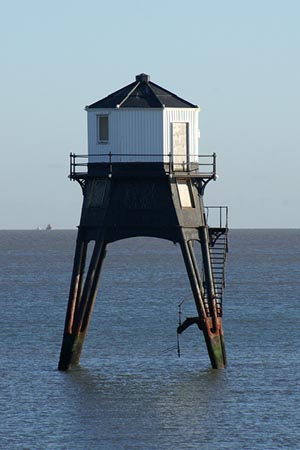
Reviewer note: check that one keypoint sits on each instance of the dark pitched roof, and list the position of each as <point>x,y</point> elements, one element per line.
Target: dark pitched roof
<point>142,93</point>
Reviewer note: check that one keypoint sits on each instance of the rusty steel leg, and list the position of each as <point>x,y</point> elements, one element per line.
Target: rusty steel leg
<point>76,282</point>
<point>211,326</point>
<point>74,296</point>
<point>215,343</point>
<point>213,332</point>
<point>77,322</point>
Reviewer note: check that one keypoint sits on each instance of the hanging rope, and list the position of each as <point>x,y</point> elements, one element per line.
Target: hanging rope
<point>179,324</point>
<point>177,346</point>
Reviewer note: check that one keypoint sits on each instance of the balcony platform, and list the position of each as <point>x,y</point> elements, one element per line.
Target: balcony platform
<point>82,168</point>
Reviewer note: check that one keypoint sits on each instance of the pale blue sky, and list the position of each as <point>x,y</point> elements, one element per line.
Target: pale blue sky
<point>239,60</point>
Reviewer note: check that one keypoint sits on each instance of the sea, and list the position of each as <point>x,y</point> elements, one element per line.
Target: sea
<point>132,391</point>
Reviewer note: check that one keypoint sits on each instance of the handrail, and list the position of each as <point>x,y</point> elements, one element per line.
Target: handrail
<point>199,164</point>
<point>220,219</point>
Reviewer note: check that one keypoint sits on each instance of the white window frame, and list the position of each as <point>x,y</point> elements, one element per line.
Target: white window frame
<point>99,139</point>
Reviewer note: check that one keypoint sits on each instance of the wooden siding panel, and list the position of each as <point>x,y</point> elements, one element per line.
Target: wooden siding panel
<point>131,132</point>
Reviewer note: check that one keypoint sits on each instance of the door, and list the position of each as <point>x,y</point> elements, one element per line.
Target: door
<point>180,145</point>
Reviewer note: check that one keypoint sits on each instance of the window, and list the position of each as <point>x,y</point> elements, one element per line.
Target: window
<point>102,128</point>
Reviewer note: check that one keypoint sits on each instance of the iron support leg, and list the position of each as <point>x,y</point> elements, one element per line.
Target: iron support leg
<point>80,304</point>
<point>215,344</point>
<point>210,325</point>
<point>76,282</point>
<point>213,332</point>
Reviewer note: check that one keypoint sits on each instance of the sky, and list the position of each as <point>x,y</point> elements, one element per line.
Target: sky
<point>238,60</point>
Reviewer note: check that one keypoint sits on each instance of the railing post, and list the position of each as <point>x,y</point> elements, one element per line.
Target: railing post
<point>170,163</point>
<point>214,166</point>
<point>72,164</point>
<point>110,164</point>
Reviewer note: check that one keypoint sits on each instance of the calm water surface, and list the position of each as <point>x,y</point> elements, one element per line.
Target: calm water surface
<point>131,390</point>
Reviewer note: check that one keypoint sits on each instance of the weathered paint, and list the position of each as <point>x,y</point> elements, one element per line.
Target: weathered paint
<point>215,344</point>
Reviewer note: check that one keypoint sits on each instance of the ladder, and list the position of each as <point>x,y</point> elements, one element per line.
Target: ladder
<point>218,247</point>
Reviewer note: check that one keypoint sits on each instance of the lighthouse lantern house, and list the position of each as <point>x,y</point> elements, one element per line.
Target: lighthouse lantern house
<point>143,122</point>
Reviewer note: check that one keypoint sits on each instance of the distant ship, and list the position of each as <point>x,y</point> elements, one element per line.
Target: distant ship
<point>49,227</point>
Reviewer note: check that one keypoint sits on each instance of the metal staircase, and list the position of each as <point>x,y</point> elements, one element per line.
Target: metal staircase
<point>218,247</point>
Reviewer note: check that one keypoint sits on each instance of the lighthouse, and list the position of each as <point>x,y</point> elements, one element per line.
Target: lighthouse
<point>143,175</point>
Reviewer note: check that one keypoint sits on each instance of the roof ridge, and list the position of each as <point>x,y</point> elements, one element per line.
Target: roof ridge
<point>148,84</point>
<point>113,94</point>
<point>128,95</point>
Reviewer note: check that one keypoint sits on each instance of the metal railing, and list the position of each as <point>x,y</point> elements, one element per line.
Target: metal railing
<point>217,216</point>
<point>203,165</point>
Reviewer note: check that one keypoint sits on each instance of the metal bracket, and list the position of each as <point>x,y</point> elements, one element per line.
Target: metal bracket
<point>188,322</point>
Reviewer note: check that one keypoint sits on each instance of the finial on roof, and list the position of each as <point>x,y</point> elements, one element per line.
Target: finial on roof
<point>142,77</point>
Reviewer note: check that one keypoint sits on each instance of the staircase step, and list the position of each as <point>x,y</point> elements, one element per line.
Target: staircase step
<point>218,251</point>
